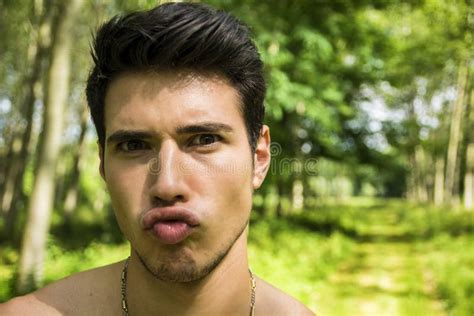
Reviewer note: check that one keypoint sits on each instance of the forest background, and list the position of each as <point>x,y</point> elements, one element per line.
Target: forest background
<point>371,111</point>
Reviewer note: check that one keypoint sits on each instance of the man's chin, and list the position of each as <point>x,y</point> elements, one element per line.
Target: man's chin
<point>182,270</point>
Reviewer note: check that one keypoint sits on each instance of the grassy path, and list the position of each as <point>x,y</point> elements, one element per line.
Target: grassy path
<point>385,276</point>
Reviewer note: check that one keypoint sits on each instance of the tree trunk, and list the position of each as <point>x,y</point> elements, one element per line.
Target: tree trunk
<point>40,204</point>
<point>439,181</point>
<point>13,192</point>
<point>60,179</point>
<point>412,194</point>
<point>455,136</point>
<point>413,139</point>
<point>469,179</point>
<point>421,186</point>
<point>429,175</point>
<point>8,183</point>
<point>72,190</point>
<point>469,175</point>
<point>280,196</point>
<point>297,195</point>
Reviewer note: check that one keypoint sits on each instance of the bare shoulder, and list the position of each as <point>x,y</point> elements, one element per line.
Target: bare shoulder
<point>79,293</point>
<point>26,305</point>
<point>272,301</point>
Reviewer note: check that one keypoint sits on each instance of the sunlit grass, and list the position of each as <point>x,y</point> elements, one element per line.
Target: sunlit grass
<point>294,259</point>
<point>452,263</point>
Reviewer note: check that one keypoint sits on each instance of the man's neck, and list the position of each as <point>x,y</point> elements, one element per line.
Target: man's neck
<point>227,289</point>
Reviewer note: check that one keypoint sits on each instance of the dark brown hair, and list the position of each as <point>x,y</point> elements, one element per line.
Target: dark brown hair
<point>186,36</point>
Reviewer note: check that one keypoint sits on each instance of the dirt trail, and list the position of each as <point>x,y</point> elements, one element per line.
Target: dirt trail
<point>385,276</point>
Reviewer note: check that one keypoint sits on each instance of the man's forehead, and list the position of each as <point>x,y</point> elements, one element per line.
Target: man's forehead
<point>181,100</point>
<point>150,84</point>
<point>154,81</point>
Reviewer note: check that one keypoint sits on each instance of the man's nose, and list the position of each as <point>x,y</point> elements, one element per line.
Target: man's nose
<point>165,174</point>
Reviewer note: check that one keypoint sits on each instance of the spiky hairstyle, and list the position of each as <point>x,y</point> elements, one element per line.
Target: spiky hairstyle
<point>181,36</point>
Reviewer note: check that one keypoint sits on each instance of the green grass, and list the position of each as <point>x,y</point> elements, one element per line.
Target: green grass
<point>409,260</point>
<point>452,262</point>
<point>294,258</point>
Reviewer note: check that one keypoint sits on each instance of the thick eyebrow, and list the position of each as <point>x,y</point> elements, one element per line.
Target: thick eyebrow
<point>206,127</point>
<point>124,135</point>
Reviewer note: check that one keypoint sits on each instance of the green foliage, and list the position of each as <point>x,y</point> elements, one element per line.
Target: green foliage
<point>452,263</point>
<point>8,261</point>
<point>426,222</point>
<point>443,237</point>
<point>293,257</point>
<point>410,220</point>
<point>62,262</point>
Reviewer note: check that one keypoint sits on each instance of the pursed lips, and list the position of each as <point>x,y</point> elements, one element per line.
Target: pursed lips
<point>170,225</point>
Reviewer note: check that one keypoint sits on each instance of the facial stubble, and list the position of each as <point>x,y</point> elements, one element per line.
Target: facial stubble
<point>188,270</point>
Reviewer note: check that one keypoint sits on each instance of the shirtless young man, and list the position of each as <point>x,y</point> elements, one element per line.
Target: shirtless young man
<point>176,95</point>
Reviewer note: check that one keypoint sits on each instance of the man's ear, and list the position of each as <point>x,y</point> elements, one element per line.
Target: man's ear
<point>262,158</point>
<point>101,157</point>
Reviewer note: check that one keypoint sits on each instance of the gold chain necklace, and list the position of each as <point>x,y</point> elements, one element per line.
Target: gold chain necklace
<point>123,288</point>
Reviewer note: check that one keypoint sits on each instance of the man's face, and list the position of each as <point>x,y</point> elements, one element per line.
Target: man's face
<point>178,167</point>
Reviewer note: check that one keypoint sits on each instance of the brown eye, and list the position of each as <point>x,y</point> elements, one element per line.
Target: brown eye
<point>133,145</point>
<point>205,139</point>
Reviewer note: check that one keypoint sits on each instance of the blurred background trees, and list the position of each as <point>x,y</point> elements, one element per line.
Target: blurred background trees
<point>366,98</point>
